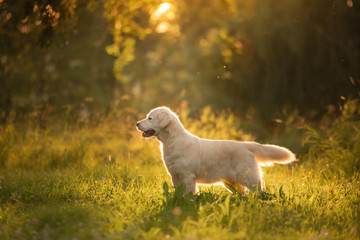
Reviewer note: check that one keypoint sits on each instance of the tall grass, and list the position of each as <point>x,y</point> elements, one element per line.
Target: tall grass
<point>103,181</point>
<point>334,147</point>
<point>60,145</point>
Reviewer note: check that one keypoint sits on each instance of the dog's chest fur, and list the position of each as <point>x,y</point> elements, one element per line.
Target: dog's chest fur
<point>169,156</point>
<point>175,157</point>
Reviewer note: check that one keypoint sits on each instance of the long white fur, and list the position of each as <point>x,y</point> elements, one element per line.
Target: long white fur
<point>192,160</point>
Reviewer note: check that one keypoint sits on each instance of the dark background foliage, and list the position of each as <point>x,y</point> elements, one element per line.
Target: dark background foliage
<point>78,57</point>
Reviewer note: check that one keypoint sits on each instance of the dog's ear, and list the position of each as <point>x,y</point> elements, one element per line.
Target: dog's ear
<point>165,119</point>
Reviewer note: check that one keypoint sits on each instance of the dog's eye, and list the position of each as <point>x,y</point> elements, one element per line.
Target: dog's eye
<point>150,118</point>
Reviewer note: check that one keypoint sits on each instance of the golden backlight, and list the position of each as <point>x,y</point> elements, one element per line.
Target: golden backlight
<point>163,8</point>
<point>163,16</point>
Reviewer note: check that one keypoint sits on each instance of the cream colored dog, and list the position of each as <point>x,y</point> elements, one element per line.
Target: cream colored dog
<point>192,160</point>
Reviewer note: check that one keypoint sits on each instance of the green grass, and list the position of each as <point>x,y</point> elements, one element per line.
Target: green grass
<point>113,202</point>
<point>106,182</point>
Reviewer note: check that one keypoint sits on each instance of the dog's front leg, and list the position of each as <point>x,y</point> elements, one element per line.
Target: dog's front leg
<point>189,181</point>
<point>176,180</point>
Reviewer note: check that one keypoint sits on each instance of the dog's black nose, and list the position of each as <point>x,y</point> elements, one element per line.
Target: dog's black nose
<point>137,124</point>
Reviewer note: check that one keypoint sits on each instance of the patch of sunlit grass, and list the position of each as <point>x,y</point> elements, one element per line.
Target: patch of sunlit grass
<point>126,202</point>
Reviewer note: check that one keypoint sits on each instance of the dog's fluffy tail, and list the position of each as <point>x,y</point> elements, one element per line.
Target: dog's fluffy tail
<point>267,155</point>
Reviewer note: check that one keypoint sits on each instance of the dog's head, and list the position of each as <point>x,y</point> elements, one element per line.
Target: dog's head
<point>157,119</point>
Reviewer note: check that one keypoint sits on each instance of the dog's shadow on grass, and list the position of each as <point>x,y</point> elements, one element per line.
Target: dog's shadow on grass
<point>178,207</point>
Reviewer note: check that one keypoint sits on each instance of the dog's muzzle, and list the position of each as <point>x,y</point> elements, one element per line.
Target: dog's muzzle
<point>147,133</point>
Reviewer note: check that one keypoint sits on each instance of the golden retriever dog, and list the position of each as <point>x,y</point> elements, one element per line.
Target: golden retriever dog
<point>195,161</point>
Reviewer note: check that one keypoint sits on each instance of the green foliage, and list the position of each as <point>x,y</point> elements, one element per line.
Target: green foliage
<point>72,165</point>
<point>89,144</point>
<point>128,21</point>
<point>251,54</point>
<point>84,145</point>
<point>111,184</point>
<point>243,55</point>
<point>215,125</point>
<point>115,203</point>
<point>72,74</point>
<point>335,147</point>
<point>33,22</point>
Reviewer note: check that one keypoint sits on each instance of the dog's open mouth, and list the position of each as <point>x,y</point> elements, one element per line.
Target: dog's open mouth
<point>148,133</point>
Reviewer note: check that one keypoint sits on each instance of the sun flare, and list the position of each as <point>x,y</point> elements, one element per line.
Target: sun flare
<point>162,27</point>
<point>163,8</point>
<point>164,11</point>
<point>163,18</point>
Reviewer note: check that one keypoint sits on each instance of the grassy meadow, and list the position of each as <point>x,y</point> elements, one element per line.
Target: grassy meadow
<point>76,76</point>
<point>98,179</point>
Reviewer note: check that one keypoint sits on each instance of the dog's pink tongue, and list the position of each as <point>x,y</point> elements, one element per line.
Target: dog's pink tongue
<point>143,133</point>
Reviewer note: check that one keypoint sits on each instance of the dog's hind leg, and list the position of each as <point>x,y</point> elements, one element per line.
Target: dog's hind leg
<point>254,180</point>
<point>234,186</point>
<point>250,175</point>
<point>230,186</point>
